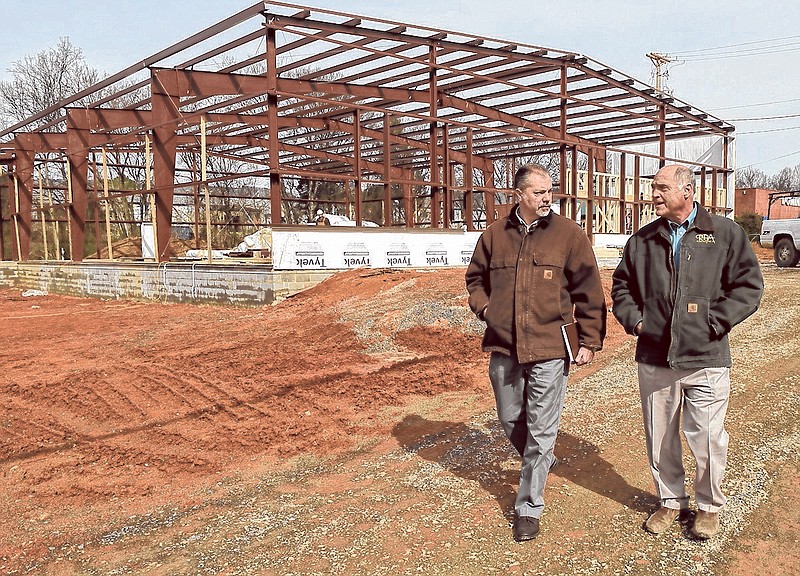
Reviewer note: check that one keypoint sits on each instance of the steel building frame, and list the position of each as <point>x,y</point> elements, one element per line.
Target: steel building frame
<point>285,92</point>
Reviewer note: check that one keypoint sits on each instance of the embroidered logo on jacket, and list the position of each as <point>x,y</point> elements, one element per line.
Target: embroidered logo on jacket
<point>705,239</point>
<point>692,308</point>
<point>548,274</point>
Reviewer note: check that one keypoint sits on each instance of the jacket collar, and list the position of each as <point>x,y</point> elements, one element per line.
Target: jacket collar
<point>702,222</point>
<point>515,222</point>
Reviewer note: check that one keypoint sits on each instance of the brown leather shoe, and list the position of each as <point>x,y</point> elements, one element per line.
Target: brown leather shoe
<point>706,524</point>
<point>661,520</point>
<point>525,528</point>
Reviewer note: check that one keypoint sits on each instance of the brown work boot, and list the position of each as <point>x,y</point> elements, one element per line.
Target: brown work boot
<point>660,520</point>
<point>706,524</point>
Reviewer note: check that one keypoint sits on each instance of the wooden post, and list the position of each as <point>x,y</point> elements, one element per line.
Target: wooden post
<point>95,179</point>
<point>2,228</point>
<point>108,215</point>
<point>16,216</point>
<point>203,175</point>
<point>196,200</point>
<point>55,225</point>
<point>151,197</point>
<point>41,217</point>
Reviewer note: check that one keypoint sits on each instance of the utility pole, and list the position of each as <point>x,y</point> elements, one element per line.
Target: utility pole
<point>660,62</point>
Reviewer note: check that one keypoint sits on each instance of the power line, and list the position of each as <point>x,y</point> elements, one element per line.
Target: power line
<point>768,130</point>
<point>770,160</point>
<point>753,105</point>
<point>741,54</point>
<point>740,44</point>
<point>763,118</point>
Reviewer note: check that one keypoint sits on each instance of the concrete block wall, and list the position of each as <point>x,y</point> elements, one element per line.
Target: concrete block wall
<point>249,285</point>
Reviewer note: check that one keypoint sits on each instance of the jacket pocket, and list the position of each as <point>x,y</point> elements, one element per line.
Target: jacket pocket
<point>499,313</point>
<point>656,320</point>
<point>695,336</point>
<point>553,305</point>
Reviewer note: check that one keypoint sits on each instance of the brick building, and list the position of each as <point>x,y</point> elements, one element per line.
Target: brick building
<point>757,200</point>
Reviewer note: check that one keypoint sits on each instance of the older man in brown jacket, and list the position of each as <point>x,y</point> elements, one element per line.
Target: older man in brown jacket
<point>531,273</point>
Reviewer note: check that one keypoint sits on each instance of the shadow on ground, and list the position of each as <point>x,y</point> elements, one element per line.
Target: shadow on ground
<point>481,455</point>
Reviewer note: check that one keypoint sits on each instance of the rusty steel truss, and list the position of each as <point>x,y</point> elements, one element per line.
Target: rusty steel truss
<point>286,95</point>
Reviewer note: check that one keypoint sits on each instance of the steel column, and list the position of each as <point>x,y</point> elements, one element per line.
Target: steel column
<point>2,223</point>
<point>662,134</point>
<point>623,199</point>
<point>714,186</point>
<point>573,200</point>
<point>272,112</point>
<point>357,168</point>
<point>165,115</point>
<point>387,171</point>
<point>469,194</point>
<point>433,107</point>
<point>590,201</point>
<point>488,198</point>
<point>408,198</point>
<point>447,191</point>
<point>637,193</point>
<point>21,191</point>
<point>703,186</point>
<point>78,145</point>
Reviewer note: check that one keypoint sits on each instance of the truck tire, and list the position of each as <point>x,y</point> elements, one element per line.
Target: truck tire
<point>785,253</point>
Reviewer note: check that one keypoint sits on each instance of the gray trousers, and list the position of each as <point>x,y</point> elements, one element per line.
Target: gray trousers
<point>702,395</point>
<point>529,400</point>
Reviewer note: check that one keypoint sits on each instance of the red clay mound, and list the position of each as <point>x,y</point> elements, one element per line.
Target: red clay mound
<point>103,401</point>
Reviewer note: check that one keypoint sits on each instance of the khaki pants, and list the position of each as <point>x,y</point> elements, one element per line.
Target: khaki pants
<point>702,394</point>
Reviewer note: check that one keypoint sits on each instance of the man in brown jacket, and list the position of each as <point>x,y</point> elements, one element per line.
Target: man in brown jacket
<point>531,273</point>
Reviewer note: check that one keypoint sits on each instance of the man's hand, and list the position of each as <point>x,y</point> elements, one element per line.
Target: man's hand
<point>584,356</point>
<point>637,329</point>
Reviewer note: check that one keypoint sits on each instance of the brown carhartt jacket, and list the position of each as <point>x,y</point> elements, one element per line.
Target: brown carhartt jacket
<point>526,283</point>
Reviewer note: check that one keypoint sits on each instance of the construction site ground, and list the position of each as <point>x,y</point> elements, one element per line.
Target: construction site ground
<point>351,430</point>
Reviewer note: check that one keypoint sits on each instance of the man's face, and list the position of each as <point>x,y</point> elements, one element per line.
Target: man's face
<point>536,194</point>
<point>671,201</point>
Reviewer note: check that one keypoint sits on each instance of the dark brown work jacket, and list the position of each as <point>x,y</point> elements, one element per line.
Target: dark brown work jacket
<point>525,283</point>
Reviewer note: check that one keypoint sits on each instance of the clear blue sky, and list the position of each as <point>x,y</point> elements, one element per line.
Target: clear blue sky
<point>753,76</point>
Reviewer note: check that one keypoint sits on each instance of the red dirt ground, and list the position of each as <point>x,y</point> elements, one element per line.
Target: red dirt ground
<point>115,408</point>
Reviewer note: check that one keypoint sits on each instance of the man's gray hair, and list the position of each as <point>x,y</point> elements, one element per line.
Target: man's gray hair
<point>684,176</point>
<point>526,170</point>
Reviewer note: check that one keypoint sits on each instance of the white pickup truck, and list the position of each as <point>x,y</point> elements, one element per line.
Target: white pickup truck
<point>782,235</point>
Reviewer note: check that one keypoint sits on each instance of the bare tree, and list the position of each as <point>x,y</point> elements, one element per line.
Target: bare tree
<point>751,178</point>
<point>41,80</point>
<point>784,180</point>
